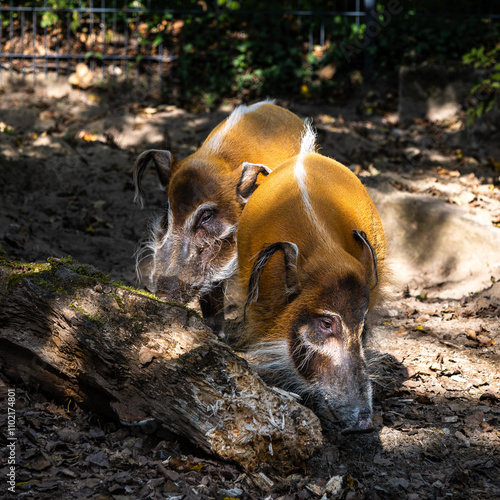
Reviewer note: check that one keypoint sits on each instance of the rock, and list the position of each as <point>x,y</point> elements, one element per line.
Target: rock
<point>334,485</point>
<point>431,237</point>
<point>461,437</point>
<point>475,419</point>
<point>96,433</point>
<point>233,492</point>
<point>172,474</point>
<point>100,459</point>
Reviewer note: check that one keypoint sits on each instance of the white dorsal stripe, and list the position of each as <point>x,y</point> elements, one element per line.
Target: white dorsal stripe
<point>215,142</point>
<point>308,145</point>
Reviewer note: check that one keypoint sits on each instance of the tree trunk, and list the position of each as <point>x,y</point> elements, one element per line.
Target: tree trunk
<point>67,330</point>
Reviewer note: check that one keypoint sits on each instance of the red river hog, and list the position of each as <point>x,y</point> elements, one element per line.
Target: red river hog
<point>311,253</point>
<point>193,243</point>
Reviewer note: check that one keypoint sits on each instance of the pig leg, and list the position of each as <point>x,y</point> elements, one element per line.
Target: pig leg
<point>212,308</point>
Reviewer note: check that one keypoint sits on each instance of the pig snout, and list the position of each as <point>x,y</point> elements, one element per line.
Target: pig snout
<point>356,419</point>
<point>173,289</point>
<point>363,423</point>
<point>347,395</point>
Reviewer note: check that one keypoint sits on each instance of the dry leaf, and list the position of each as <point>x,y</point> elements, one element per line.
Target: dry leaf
<point>471,334</point>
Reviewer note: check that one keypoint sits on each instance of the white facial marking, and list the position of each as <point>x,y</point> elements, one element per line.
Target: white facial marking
<point>328,348</point>
<point>192,218</point>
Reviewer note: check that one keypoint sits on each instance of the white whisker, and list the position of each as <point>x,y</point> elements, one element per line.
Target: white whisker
<point>273,363</point>
<point>148,246</point>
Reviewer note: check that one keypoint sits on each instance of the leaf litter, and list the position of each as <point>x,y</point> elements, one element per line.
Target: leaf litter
<point>68,190</point>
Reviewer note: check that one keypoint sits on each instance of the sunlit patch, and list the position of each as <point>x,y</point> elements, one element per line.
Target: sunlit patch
<point>88,136</point>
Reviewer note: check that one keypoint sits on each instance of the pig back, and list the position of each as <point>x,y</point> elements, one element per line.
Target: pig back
<point>315,203</point>
<point>262,133</point>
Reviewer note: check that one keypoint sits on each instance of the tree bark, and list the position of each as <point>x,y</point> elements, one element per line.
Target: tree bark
<point>65,329</point>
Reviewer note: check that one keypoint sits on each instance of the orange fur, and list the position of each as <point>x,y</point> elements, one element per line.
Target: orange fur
<point>270,134</point>
<point>328,251</point>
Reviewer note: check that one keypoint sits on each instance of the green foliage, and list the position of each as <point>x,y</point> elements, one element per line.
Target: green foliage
<point>484,92</point>
<point>252,56</point>
<point>256,48</point>
<point>48,19</point>
<point>51,17</point>
<point>259,54</point>
<point>93,55</point>
<point>410,38</point>
<point>230,4</point>
<point>5,129</point>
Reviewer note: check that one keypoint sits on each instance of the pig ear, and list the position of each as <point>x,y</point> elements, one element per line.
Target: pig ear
<point>162,161</point>
<point>248,180</point>
<point>291,254</point>
<point>368,257</point>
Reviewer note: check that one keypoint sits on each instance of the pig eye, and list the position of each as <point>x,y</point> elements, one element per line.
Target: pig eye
<point>328,326</point>
<point>205,218</point>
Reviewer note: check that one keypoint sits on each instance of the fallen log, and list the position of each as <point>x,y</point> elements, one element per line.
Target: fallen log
<point>74,335</point>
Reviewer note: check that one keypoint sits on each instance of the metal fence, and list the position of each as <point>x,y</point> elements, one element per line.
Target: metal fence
<point>132,38</point>
<point>36,37</point>
<point>39,38</point>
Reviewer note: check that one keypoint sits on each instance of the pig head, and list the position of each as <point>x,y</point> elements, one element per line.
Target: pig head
<point>194,240</point>
<point>316,333</point>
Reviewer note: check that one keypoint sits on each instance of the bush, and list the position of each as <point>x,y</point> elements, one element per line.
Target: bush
<point>484,92</point>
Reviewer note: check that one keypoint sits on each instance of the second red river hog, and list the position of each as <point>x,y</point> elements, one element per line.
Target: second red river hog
<point>193,243</point>
<point>311,253</point>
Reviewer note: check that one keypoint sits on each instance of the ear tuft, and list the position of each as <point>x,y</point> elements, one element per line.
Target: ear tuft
<point>162,161</point>
<point>368,257</point>
<point>248,180</point>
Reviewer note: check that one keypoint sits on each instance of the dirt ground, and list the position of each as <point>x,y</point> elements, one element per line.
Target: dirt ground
<point>66,189</point>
